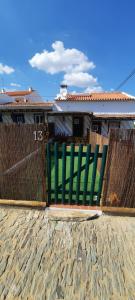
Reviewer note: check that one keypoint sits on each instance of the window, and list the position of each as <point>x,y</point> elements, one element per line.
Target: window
<point>18,118</point>
<point>96,127</point>
<point>1,119</point>
<point>78,126</point>
<point>51,128</point>
<point>38,118</point>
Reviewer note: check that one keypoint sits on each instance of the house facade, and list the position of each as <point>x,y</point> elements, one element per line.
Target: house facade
<point>23,107</point>
<point>70,115</point>
<point>108,110</point>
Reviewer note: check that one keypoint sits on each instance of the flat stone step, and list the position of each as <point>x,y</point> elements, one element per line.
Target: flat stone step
<point>72,215</point>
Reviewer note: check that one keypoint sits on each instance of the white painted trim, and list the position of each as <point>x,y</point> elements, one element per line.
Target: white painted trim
<point>130,96</point>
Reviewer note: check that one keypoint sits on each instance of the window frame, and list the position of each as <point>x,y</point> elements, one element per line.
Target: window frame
<point>40,116</point>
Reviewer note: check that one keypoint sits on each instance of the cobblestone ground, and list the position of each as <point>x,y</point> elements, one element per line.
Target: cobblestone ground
<point>45,259</point>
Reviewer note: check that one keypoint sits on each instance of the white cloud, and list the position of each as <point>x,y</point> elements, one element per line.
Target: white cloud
<point>61,60</point>
<point>6,69</point>
<point>81,79</point>
<point>93,89</point>
<point>73,62</point>
<point>15,84</point>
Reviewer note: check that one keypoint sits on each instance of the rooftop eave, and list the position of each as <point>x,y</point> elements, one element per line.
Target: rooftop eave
<point>9,108</point>
<point>61,113</point>
<point>96,100</point>
<point>114,116</point>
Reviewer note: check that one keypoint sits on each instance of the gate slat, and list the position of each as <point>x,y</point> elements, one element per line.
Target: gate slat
<point>71,172</point>
<point>104,154</point>
<point>86,173</point>
<point>79,173</point>
<point>63,171</point>
<point>56,171</point>
<point>49,171</point>
<point>94,171</point>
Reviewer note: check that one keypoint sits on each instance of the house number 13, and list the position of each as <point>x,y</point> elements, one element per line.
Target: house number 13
<point>38,135</point>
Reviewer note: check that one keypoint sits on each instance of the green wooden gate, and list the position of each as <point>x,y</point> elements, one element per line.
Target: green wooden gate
<point>75,173</point>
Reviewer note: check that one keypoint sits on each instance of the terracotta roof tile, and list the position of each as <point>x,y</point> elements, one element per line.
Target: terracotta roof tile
<point>102,96</point>
<point>18,93</point>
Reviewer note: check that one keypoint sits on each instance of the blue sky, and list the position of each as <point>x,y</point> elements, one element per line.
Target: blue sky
<point>96,48</point>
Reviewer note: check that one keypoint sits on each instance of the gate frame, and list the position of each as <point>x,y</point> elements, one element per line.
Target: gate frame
<point>91,157</point>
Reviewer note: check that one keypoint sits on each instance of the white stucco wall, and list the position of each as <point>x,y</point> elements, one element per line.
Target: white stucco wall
<point>63,125</point>
<point>124,124</point>
<point>6,117</point>
<point>127,124</point>
<point>5,98</point>
<point>96,106</point>
<point>29,117</point>
<point>104,129</point>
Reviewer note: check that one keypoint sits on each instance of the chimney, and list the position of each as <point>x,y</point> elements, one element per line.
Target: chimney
<point>30,89</point>
<point>63,91</point>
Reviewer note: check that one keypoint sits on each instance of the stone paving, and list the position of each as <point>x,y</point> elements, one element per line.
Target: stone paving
<point>42,258</point>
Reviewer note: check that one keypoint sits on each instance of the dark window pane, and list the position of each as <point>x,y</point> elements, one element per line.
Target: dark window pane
<point>96,127</point>
<point>78,126</point>
<point>1,119</point>
<point>51,128</point>
<point>18,118</point>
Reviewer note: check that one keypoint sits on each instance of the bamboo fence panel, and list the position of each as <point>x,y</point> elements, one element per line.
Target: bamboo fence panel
<point>119,180</point>
<point>22,162</point>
